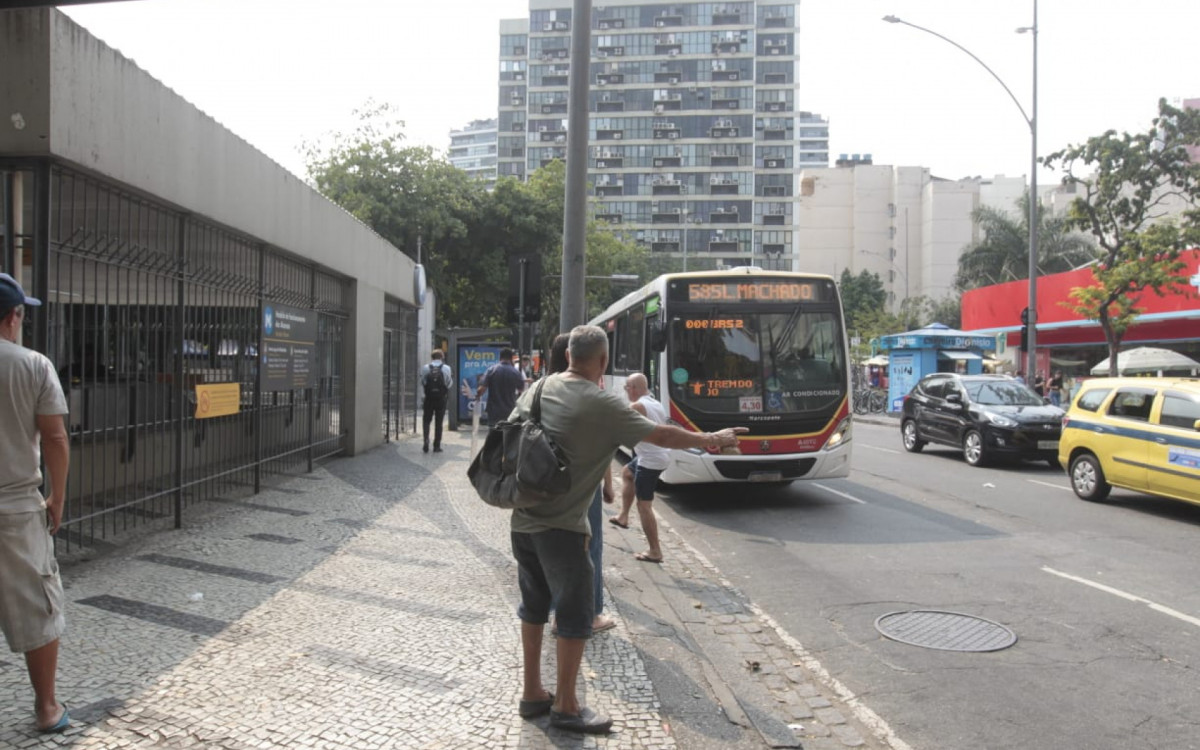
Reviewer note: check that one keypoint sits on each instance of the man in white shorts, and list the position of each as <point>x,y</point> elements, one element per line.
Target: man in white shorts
<point>640,475</point>
<point>31,415</point>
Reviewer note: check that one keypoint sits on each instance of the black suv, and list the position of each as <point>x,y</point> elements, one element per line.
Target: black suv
<point>986,416</point>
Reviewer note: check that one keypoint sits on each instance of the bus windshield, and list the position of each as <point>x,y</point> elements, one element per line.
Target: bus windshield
<point>757,362</point>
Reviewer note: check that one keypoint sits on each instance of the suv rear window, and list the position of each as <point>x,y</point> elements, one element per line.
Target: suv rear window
<point>1091,400</point>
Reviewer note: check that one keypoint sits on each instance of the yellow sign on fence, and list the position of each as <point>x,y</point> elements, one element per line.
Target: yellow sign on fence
<point>218,399</point>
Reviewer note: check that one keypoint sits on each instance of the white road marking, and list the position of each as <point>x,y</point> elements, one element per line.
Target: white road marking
<point>1047,484</point>
<point>839,493</point>
<point>877,448</point>
<point>1126,595</point>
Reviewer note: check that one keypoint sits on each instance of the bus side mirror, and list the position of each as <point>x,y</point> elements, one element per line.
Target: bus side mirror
<point>658,336</point>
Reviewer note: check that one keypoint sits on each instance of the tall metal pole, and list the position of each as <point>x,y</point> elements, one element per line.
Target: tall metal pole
<point>1031,337</point>
<point>1031,121</point>
<point>572,308</point>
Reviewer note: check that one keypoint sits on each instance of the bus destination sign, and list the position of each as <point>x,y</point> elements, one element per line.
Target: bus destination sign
<point>760,290</point>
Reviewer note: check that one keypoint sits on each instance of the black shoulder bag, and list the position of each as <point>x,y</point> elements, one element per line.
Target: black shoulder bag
<point>519,465</point>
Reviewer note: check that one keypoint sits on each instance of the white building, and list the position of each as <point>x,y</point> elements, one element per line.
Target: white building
<point>898,222</point>
<point>473,150</point>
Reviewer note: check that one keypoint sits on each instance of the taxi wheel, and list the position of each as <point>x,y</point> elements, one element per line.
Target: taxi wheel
<point>973,448</point>
<point>1087,478</point>
<point>908,432</point>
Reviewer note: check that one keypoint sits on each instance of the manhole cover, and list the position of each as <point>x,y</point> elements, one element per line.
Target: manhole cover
<point>947,631</point>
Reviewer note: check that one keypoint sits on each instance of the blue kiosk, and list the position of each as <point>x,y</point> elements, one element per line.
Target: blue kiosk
<point>934,348</point>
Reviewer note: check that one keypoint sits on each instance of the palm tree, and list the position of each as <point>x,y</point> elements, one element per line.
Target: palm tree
<point>1003,252</point>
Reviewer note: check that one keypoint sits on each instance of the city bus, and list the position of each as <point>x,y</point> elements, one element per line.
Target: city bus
<point>741,347</point>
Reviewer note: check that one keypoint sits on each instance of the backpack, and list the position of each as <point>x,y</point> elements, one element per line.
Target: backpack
<point>435,384</point>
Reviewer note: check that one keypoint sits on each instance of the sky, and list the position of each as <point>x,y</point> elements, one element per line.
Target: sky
<point>285,73</point>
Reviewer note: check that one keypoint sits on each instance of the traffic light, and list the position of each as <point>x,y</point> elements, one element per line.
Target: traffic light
<point>1025,329</point>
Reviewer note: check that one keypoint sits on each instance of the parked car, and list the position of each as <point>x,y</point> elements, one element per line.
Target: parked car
<point>1142,434</point>
<point>987,416</point>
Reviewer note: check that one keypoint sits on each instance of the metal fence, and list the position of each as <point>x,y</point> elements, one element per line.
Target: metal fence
<point>400,365</point>
<point>143,303</point>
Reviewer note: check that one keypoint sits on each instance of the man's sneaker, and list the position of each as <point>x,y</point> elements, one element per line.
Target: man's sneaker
<point>586,721</point>
<point>425,448</point>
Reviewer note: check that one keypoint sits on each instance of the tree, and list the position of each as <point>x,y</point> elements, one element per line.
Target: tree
<point>1003,252</point>
<point>862,296</point>
<point>405,193</point>
<point>1139,182</point>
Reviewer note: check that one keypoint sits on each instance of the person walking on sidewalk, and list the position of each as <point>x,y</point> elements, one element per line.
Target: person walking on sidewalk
<point>31,425</point>
<point>435,382</point>
<point>640,476</point>
<point>504,382</point>
<point>603,494</point>
<point>549,541</point>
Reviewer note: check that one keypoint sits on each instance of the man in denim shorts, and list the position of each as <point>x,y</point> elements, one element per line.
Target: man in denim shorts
<point>31,415</point>
<point>550,541</point>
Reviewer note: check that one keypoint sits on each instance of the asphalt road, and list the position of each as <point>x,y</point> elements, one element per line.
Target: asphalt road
<point>1104,599</point>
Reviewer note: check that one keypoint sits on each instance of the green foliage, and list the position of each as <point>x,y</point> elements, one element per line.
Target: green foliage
<point>466,234</point>
<point>1137,181</point>
<point>863,297</point>
<point>1003,252</point>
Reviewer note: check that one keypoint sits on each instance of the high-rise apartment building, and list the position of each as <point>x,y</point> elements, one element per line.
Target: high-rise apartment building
<point>473,150</point>
<point>695,137</point>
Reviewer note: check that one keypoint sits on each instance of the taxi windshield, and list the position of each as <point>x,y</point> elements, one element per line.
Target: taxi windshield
<point>757,363</point>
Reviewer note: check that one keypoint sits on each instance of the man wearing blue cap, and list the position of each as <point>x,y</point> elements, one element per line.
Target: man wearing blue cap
<point>31,595</point>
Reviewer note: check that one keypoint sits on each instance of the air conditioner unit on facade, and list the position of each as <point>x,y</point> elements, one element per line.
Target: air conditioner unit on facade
<point>547,27</point>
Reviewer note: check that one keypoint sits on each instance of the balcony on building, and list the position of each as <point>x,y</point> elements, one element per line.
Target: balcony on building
<point>666,21</point>
<point>551,133</point>
<point>551,26</point>
<point>605,24</point>
<point>774,217</point>
<point>606,79</point>
<point>556,78</point>
<point>519,126</point>
<point>609,103</point>
<point>666,186</point>
<point>777,162</point>
<point>554,107</point>
<point>723,160</point>
<point>610,134</point>
<point>723,129</point>
<point>516,101</point>
<point>774,191</point>
<point>558,155</point>
<point>609,218</point>
<point>665,246</point>
<point>672,103</point>
<point>776,20</point>
<point>723,246</point>
<point>774,107</point>
<point>666,215</point>
<point>722,186</point>
<point>670,48</point>
<point>610,188</point>
<point>773,249</point>
<point>726,47</point>
<point>668,161</point>
<point>775,47</point>
<point>774,78</point>
<point>610,51</point>
<point>555,54</point>
<point>664,129</point>
<point>726,75</point>
<point>516,153</point>
<point>723,216</point>
<point>722,17</point>
<point>608,160</point>
<point>726,102</point>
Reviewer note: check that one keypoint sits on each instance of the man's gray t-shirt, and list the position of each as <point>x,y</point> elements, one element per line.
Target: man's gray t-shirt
<point>28,387</point>
<point>588,424</point>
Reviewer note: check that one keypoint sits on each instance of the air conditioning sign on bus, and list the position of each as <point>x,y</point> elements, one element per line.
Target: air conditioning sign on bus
<point>289,347</point>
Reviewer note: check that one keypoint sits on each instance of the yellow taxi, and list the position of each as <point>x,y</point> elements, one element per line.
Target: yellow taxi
<point>1142,434</point>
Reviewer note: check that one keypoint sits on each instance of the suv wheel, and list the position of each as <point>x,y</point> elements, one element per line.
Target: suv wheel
<point>1087,478</point>
<point>908,432</point>
<point>972,448</point>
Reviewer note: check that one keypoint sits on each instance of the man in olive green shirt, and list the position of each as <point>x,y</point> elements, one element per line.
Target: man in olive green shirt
<point>550,541</point>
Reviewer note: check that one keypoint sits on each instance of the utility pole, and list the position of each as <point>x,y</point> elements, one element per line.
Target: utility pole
<point>572,308</point>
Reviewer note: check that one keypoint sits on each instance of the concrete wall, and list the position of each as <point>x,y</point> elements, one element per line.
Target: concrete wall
<point>65,94</point>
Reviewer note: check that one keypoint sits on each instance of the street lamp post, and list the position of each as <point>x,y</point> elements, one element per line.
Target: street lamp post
<point>1031,121</point>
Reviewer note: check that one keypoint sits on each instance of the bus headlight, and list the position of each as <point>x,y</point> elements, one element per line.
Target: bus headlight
<point>840,435</point>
